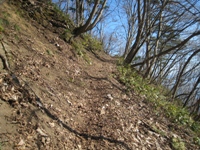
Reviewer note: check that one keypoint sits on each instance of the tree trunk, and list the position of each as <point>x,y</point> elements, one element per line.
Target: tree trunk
<point>191,92</point>
<point>135,47</point>
<point>181,73</point>
<point>91,21</point>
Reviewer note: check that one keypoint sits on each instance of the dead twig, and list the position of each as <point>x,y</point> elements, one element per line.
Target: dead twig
<point>5,63</point>
<point>4,59</point>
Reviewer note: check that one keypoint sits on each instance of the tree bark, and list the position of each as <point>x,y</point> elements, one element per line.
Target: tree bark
<point>181,73</point>
<point>91,21</point>
<point>135,47</point>
<point>191,92</point>
<point>178,46</point>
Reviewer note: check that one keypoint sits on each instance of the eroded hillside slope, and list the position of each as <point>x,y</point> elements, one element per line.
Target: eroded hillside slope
<point>54,99</point>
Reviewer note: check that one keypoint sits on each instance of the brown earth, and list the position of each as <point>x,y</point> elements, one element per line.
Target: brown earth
<point>53,99</point>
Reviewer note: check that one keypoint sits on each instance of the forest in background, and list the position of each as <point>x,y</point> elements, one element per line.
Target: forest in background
<point>159,38</point>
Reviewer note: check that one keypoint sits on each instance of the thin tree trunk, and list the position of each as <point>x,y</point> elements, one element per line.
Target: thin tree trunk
<point>192,91</point>
<point>178,46</point>
<point>135,47</point>
<point>181,73</point>
<point>89,24</point>
<point>157,43</point>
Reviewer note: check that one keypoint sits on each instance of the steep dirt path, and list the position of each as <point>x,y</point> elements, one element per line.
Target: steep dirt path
<point>62,102</point>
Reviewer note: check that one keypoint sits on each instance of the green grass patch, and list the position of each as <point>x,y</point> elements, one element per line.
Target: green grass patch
<point>16,27</point>
<point>197,141</point>
<point>49,52</point>
<point>60,13</point>
<point>3,23</point>
<point>4,19</point>
<point>78,47</point>
<point>1,29</point>
<point>80,51</point>
<point>91,43</point>
<point>1,145</point>
<point>156,96</point>
<point>178,144</point>
<point>159,131</point>
<point>66,35</point>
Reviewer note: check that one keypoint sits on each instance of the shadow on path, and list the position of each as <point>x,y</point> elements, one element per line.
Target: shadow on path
<point>27,92</point>
<point>103,59</point>
<point>106,79</point>
<point>84,135</point>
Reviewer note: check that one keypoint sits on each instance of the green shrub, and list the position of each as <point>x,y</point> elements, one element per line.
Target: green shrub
<point>80,51</point>
<point>49,52</point>
<point>91,43</point>
<point>178,144</point>
<point>197,141</point>
<point>195,126</point>
<point>1,29</point>
<point>16,27</point>
<point>4,21</point>
<point>66,35</point>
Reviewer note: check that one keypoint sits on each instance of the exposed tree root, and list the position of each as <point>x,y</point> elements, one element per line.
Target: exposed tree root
<point>4,59</point>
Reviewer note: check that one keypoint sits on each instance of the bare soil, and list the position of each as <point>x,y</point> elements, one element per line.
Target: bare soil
<point>52,99</point>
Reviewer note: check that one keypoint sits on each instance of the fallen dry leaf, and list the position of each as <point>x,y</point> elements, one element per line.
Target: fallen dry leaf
<point>52,124</point>
<point>41,132</point>
<point>21,143</point>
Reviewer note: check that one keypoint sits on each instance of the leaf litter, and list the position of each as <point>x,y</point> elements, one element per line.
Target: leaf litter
<point>57,101</point>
